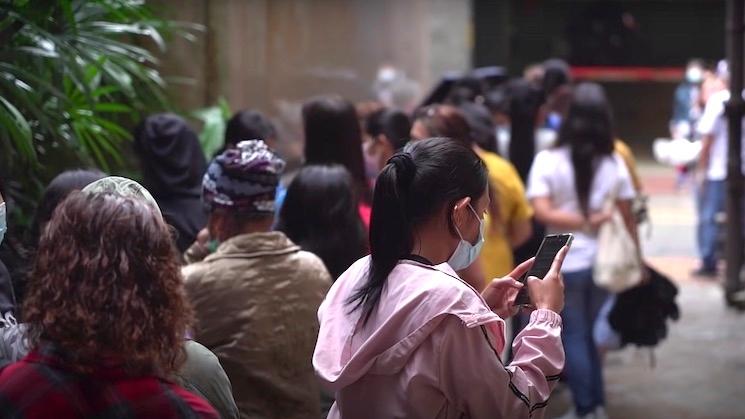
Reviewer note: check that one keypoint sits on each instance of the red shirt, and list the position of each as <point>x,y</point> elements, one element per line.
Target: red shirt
<point>39,386</point>
<point>365,212</point>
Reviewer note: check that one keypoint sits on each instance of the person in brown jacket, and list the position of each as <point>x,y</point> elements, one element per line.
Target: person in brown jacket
<point>256,294</point>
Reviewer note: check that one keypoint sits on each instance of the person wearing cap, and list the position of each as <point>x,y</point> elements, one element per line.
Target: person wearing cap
<point>256,294</point>
<point>106,315</point>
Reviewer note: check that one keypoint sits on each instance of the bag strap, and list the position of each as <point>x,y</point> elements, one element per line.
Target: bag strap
<point>612,197</point>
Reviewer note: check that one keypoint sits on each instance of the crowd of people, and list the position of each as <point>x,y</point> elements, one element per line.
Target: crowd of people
<point>377,280</point>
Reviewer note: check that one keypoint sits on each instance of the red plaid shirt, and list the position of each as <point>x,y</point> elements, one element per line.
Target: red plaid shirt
<point>39,386</point>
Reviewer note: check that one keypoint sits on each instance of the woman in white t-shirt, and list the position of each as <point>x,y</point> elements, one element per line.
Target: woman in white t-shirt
<point>568,187</point>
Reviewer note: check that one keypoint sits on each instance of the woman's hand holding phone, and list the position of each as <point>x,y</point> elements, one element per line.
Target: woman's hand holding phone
<point>548,293</point>
<point>500,294</point>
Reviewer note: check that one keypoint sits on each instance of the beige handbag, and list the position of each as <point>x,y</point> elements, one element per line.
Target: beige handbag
<point>618,266</point>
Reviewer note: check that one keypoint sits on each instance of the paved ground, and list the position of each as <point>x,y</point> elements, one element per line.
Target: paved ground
<point>700,368</point>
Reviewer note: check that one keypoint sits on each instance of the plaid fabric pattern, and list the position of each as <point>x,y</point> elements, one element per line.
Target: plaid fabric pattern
<point>38,386</point>
<point>13,344</point>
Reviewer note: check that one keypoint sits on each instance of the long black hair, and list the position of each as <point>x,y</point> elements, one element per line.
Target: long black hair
<point>333,135</point>
<point>588,131</point>
<point>320,214</point>
<point>525,100</point>
<point>414,186</point>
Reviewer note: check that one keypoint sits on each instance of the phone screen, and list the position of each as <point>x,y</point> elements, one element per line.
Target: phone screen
<point>550,247</point>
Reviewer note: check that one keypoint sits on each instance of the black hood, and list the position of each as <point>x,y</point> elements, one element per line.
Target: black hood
<point>170,154</point>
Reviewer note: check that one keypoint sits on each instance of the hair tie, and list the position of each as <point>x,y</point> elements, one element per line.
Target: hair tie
<point>405,167</point>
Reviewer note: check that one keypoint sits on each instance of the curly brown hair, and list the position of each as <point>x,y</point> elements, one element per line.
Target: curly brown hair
<point>107,285</point>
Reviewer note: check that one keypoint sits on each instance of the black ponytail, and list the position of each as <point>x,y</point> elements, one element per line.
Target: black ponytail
<point>411,188</point>
<point>588,131</point>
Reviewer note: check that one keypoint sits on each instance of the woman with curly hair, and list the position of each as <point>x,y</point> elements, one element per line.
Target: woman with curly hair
<point>106,314</point>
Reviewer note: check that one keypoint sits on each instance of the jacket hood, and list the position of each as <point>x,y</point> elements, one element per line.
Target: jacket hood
<point>415,300</point>
<point>172,159</point>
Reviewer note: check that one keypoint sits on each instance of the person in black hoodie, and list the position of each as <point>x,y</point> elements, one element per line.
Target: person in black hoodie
<point>172,166</point>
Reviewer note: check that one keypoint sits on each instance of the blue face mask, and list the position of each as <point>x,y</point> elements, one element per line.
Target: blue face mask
<point>3,222</point>
<point>466,253</point>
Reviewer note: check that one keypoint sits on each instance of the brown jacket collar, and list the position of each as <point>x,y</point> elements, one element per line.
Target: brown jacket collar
<point>254,245</point>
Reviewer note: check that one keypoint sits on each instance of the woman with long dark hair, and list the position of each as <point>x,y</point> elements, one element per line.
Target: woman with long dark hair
<point>524,104</point>
<point>509,221</point>
<point>333,135</point>
<point>106,314</point>
<point>320,214</point>
<point>569,186</point>
<point>402,335</point>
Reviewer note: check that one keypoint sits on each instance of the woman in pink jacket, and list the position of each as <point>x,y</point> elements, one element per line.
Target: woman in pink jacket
<point>402,336</point>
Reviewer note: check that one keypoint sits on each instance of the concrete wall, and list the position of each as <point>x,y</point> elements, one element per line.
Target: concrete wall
<point>272,54</point>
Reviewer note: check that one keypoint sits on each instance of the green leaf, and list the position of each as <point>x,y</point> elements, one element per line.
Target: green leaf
<point>69,15</point>
<point>19,128</point>
<point>74,76</point>
<point>104,91</point>
<point>39,52</point>
<point>212,137</point>
<point>112,107</point>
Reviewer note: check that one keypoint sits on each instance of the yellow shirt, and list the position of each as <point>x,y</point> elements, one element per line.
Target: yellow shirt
<point>496,255</point>
<point>627,155</point>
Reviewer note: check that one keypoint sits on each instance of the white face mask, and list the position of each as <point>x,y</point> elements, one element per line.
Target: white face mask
<point>694,75</point>
<point>466,253</point>
<point>3,222</point>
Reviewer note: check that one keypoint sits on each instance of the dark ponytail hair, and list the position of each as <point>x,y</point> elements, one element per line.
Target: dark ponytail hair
<point>588,131</point>
<point>524,103</point>
<point>414,186</point>
<point>333,136</point>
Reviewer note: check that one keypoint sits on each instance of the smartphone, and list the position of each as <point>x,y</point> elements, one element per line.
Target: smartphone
<point>550,247</point>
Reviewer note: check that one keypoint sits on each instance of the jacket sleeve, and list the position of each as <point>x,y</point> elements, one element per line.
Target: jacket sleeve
<point>203,373</point>
<point>473,377</point>
<point>195,253</point>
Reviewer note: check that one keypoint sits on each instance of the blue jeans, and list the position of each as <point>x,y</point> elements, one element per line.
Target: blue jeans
<point>583,300</point>
<point>710,202</point>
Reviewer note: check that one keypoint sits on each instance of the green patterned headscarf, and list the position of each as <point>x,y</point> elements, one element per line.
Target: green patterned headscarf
<point>124,187</point>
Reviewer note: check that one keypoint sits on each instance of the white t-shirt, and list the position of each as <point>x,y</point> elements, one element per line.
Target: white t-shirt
<point>714,123</point>
<point>552,176</point>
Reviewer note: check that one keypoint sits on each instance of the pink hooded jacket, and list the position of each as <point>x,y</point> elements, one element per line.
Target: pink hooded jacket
<point>431,350</point>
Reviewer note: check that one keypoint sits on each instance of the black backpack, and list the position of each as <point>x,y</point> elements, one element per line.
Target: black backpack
<point>640,314</point>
